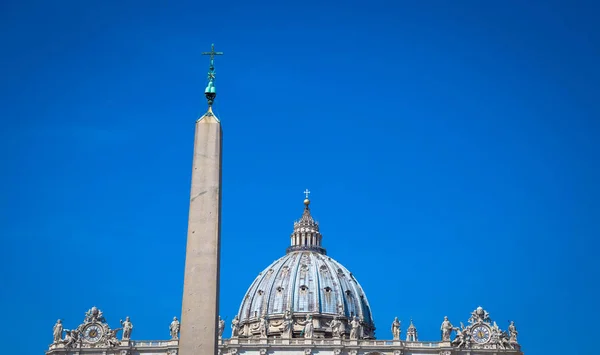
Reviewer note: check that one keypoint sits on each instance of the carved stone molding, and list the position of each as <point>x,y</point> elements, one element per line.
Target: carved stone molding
<point>397,352</point>
<point>263,351</point>
<point>307,351</point>
<point>337,351</point>
<point>445,352</point>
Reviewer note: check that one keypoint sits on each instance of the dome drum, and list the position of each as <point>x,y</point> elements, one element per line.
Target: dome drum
<point>321,323</point>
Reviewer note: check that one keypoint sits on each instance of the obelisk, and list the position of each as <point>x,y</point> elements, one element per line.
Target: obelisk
<point>200,305</point>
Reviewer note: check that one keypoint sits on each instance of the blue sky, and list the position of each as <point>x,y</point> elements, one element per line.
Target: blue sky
<point>450,147</point>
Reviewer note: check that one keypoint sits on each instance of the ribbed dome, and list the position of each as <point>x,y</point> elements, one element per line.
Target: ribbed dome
<point>305,281</point>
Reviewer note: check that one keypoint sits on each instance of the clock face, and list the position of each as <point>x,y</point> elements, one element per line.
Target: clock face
<point>481,334</point>
<point>93,333</point>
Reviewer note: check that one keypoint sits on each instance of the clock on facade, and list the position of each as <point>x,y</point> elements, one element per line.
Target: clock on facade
<point>481,334</point>
<point>92,333</point>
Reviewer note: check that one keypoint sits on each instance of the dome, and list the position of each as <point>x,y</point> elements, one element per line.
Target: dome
<point>304,282</point>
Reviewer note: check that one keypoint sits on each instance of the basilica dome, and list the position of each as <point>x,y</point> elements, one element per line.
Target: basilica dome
<point>305,282</point>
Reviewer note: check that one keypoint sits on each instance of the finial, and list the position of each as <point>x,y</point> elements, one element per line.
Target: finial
<point>306,200</point>
<point>210,92</point>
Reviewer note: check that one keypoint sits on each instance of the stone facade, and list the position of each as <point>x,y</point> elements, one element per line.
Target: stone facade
<point>335,321</point>
<point>481,336</point>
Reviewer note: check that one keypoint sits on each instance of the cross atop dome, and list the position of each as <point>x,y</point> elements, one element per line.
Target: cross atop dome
<point>306,200</point>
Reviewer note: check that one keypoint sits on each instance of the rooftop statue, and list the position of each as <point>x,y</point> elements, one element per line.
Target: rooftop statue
<point>446,329</point>
<point>221,327</point>
<point>513,332</point>
<point>396,329</point>
<point>174,328</point>
<point>127,328</point>
<point>57,331</point>
<point>235,327</point>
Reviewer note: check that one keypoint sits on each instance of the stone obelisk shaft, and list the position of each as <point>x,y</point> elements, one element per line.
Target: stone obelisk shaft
<point>200,306</point>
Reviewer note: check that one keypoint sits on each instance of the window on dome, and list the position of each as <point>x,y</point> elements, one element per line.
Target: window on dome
<point>303,299</point>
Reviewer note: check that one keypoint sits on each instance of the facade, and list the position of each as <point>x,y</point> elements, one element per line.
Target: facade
<point>304,303</point>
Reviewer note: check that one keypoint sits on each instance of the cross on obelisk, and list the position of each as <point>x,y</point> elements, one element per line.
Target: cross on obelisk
<point>306,193</point>
<point>211,92</point>
<point>212,53</point>
<point>200,305</point>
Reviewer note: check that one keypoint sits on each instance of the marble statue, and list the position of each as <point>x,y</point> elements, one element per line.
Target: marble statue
<point>235,327</point>
<point>308,327</point>
<point>354,331</point>
<point>71,338</point>
<point>174,328</point>
<point>58,330</point>
<point>286,325</point>
<point>446,329</point>
<point>127,328</point>
<point>335,327</point>
<point>461,336</point>
<point>512,330</point>
<point>503,342</point>
<point>396,329</point>
<point>221,327</point>
<point>263,326</point>
<point>111,338</point>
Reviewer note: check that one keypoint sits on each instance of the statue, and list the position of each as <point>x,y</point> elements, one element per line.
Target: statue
<point>111,338</point>
<point>308,327</point>
<point>174,328</point>
<point>512,330</point>
<point>264,326</point>
<point>446,329</point>
<point>396,329</point>
<point>461,336</point>
<point>235,327</point>
<point>221,327</point>
<point>354,331</point>
<point>71,338</point>
<point>127,328</point>
<point>501,340</point>
<point>338,328</point>
<point>58,330</point>
<point>286,325</point>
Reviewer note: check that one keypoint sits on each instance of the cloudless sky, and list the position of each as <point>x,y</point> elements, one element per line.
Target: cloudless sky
<point>451,148</point>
